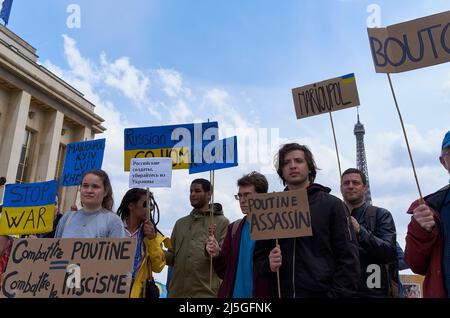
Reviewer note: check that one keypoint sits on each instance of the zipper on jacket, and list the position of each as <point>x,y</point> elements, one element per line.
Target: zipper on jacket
<point>293,271</point>
<point>350,231</point>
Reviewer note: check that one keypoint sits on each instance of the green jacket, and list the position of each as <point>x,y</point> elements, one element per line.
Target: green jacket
<point>188,256</point>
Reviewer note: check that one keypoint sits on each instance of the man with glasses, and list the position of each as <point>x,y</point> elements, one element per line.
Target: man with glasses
<point>427,249</point>
<point>233,262</point>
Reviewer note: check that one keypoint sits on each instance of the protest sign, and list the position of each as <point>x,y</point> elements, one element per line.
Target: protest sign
<point>151,173</point>
<point>219,154</point>
<point>172,141</point>
<point>28,208</point>
<point>412,285</point>
<point>69,268</point>
<point>279,215</point>
<point>410,45</point>
<point>81,157</point>
<point>326,96</point>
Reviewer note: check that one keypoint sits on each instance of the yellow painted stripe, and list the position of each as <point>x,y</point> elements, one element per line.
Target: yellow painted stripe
<point>348,80</point>
<point>27,220</point>
<point>180,156</point>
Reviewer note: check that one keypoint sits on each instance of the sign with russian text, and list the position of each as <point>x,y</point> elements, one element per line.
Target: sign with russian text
<point>279,215</point>
<point>326,96</point>
<point>151,173</point>
<point>81,157</point>
<point>219,154</point>
<point>410,45</point>
<point>28,208</point>
<point>172,141</point>
<point>69,268</point>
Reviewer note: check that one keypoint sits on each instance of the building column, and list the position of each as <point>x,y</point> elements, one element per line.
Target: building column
<point>50,139</point>
<point>11,147</point>
<point>84,133</point>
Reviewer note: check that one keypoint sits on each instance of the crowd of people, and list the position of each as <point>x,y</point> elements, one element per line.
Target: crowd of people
<point>353,251</point>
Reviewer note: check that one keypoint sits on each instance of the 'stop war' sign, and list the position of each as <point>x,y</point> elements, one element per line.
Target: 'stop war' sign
<point>28,208</point>
<point>410,45</point>
<point>326,96</point>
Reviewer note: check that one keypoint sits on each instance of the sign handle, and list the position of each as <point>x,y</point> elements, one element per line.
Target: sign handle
<point>335,145</point>
<point>404,134</point>
<point>211,178</point>
<point>278,276</point>
<point>148,205</point>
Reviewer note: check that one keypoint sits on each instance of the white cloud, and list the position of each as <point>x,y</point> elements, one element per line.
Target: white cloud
<point>126,78</point>
<point>218,98</point>
<point>80,67</point>
<point>173,83</point>
<point>180,113</point>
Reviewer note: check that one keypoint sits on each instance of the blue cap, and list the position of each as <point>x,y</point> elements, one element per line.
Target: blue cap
<point>446,141</point>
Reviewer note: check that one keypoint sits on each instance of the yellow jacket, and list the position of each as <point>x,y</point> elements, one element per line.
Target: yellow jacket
<point>154,261</point>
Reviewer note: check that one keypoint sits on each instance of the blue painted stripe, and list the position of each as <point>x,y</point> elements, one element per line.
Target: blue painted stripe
<point>348,76</point>
<point>59,262</point>
<point>58,267</point>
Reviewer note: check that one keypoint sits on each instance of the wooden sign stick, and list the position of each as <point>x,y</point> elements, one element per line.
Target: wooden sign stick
<point>335,145</point>
<point>406,138</point>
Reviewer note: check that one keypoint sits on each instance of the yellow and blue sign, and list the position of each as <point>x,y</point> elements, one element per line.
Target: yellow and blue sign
<point>171,141</point>
<point>348,79</point>
<point>81,157</point>
<point>28,208</point>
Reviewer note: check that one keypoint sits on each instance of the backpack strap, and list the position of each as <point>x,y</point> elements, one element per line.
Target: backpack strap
<point>235,227</point>
<point>391,268</point>
<point>371,217</point>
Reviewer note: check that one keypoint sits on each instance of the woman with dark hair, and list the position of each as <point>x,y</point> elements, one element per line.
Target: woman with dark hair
<point>95,218</point>
<point>135,211</point>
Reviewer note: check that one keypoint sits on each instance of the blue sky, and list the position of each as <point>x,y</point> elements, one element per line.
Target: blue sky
<point>151,63</point>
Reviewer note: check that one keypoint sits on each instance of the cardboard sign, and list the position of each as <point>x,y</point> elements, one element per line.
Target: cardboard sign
<point>173,141</point>
<point>412,285</point>
<point>28,208</point>
<point>279,215</point>
<point>69,268</point>
<point>326,96</point>
<point>81,157</point>
<point>151,173</point>
<point>410,45</point>
<point>219,154</point>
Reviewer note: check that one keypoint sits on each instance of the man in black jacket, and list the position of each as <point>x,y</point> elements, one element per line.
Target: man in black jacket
<point>375,230</point>
<point>325,264</point>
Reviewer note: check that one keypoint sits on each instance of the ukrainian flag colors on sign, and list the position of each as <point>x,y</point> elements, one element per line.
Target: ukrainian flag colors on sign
<point>175,141</point>
<point>28,208</point>
<point>326,96</point>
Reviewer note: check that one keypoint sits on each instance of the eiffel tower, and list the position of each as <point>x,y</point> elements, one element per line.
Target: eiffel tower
<point>361,162</point>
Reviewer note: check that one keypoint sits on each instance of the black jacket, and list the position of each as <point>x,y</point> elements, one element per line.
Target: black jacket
<point>377,245</point>
<point>323,265</point>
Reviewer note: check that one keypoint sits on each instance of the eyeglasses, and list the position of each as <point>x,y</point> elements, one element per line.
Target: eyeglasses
<point>242,195</point>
